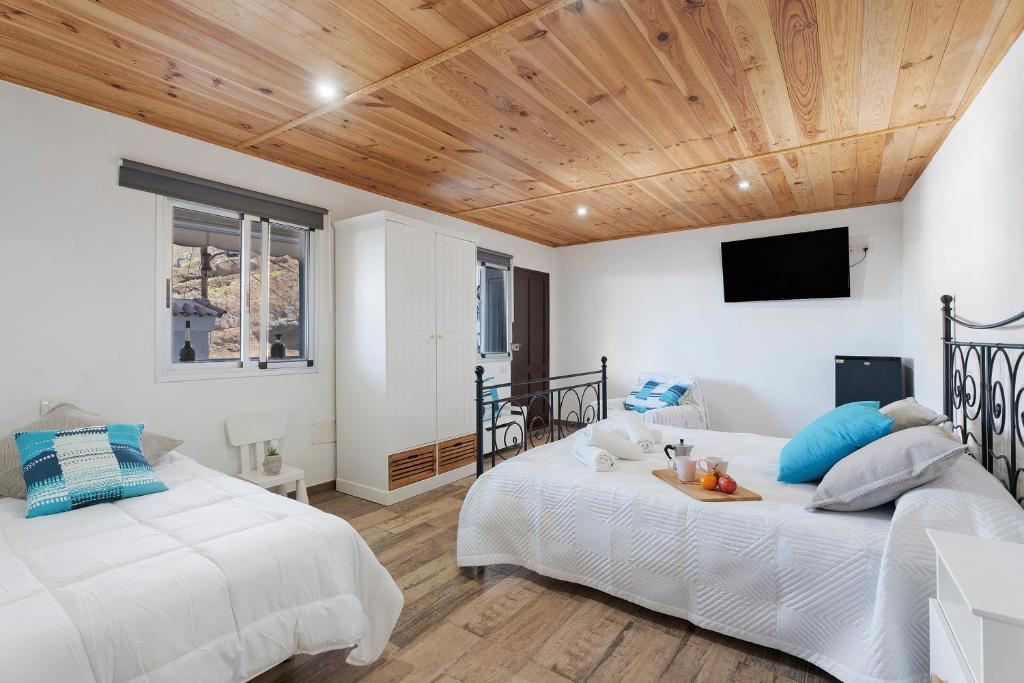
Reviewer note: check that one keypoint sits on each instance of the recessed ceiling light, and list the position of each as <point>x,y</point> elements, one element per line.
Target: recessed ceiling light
<point>581,211</point>
<point>743,184</point>
<point>326,91</point>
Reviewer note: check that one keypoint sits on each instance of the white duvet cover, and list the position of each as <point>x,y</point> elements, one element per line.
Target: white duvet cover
<point>847,591</point>
<point>213,580</point>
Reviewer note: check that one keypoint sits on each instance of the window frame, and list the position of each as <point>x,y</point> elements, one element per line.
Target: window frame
<point>482,263</point>
<point>169,371</point>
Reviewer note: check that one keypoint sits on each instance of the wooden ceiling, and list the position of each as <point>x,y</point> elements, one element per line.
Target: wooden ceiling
<point>514,113</point>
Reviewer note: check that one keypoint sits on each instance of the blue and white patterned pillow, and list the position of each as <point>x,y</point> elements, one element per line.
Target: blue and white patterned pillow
<point>652,394</point>
<point>73,468</point>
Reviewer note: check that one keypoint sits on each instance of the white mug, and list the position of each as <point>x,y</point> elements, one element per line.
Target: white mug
<point>686,468</point>
<point>711,464</point>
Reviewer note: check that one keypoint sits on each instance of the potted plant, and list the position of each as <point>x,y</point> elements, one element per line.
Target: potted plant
<point>272,462</point>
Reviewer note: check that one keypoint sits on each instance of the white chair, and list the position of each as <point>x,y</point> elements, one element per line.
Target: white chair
<point>253,433</point>
<point>691,413</point>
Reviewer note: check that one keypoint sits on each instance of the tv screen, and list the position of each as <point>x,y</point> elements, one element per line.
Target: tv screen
<point>802,265</point>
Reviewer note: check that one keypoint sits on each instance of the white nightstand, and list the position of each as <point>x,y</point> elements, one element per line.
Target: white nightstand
<point>253,433</point>
<point>976,622</point>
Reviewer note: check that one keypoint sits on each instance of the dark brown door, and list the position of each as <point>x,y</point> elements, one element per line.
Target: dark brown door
<point>530,337</point>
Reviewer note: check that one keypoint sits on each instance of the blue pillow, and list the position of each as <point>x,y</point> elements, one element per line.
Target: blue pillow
<point>829,439</point>
<point>73,468</point>
<point>653,394</point>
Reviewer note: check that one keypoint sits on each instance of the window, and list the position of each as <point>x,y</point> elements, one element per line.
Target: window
<point>494,304</point>
<point>236,297</point>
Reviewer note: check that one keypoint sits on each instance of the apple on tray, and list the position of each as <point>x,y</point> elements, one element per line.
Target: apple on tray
<point>726,484</point>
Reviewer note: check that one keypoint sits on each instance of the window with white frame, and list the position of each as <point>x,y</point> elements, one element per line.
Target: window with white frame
<point>494,304</point>
<point>237,295</point>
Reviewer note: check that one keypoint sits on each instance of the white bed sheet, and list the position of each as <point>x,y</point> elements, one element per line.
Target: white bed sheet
<point>213,580</point>
<point>847,591</point>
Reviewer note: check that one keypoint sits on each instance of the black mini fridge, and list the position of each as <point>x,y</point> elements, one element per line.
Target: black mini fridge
<point>872,378</point>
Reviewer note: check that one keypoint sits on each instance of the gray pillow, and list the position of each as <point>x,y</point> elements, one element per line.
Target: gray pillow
<point>909,413</point>
<point>887,468</point>
<point>67,416</point>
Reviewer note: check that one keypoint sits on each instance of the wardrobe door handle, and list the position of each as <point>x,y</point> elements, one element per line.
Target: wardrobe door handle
<point>440,336</point>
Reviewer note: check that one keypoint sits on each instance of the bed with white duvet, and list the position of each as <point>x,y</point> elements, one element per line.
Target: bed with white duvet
<point>846,591</point>
<point>213,580</point>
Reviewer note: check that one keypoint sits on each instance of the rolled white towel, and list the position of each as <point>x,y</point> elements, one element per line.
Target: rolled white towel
<point>618,446</point>
<point>593,457</point>
<point>642,435</point>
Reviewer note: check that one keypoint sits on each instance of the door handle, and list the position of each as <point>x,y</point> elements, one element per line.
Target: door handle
<point>515,347</point>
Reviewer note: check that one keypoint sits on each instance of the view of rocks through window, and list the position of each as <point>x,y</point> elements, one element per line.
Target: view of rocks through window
<point>223,294</point>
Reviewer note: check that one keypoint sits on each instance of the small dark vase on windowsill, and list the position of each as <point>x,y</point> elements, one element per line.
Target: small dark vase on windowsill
<point>277,349</point>
<point>187,353</point>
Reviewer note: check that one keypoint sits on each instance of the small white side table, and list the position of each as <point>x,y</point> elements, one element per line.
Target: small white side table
<point>279,482</point>
<point>976,620</point>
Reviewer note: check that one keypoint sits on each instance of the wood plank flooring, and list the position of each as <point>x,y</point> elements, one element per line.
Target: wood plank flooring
<point>511,624</point>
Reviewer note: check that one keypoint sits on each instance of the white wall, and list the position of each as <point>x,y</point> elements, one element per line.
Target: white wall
<point>963,225</point>
<point>656,303</point>
<point>77,278</point>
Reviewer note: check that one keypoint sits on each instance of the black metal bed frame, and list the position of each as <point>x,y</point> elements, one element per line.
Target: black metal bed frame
<point>983,394</point>
<point>537,416</point>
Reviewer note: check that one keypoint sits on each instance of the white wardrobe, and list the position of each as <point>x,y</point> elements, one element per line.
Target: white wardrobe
<point>405,349</point>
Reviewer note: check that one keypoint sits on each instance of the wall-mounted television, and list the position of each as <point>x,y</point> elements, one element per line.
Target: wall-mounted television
<point>801,265</point>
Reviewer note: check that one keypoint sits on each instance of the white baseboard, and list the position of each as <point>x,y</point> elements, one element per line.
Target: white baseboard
<point>391,497</point>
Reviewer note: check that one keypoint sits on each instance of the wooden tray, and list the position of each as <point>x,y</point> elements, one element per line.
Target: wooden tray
<point>697,493</point>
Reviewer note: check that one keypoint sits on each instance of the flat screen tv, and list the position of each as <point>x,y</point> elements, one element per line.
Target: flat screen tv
<point>802,265</point>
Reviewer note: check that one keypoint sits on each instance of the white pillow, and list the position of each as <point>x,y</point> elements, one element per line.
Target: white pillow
<point>909,413</point>
<point>887,468</point>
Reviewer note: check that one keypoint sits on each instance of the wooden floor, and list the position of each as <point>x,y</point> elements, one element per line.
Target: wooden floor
<point>511,624</point>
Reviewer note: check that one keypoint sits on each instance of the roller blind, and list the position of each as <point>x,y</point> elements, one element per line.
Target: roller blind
<point>494,258</point>
<point>190,188</point>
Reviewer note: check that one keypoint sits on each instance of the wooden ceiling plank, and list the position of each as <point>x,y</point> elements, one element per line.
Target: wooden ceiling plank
<point>751,29</point>
<point>796,34</point>
<point>819,169</point>
<point>472,141</point>
<point>1006,34</point>
<point>340,163</point>
<point>931,22</point>
<point>371,24</point>
<point>926,143</point>
<point>843,159</point>
<point>567,106</point>
<point>708,31</point>
<point>894,160</point>
<point>374,164</point>
<point>563,66</point>
<point>418,68</point>
<point>79,44</point>
<point>704,104</point>
<point>529,116</point>
<point>841,34</point>
<point>885,32</point>
<point>775,177</point>
<point>426,19</point>
<point>798,177</point>
<point>27,66</point>
<point>841,156</point>
<point>397,139</point>
<point>760,192</point>
<point>613,49</point>
<point>969,40</point>
<point>325,48</point>
<point>178,41</point>
<point>869,167</point>
<point>448,94</point>
<point>670,202</point>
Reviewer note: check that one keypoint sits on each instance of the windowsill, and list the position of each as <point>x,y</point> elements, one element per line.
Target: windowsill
<point>194,374</point>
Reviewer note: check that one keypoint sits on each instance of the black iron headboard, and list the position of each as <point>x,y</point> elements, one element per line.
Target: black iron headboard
<point>536,411</point>
<point>983,394</point>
